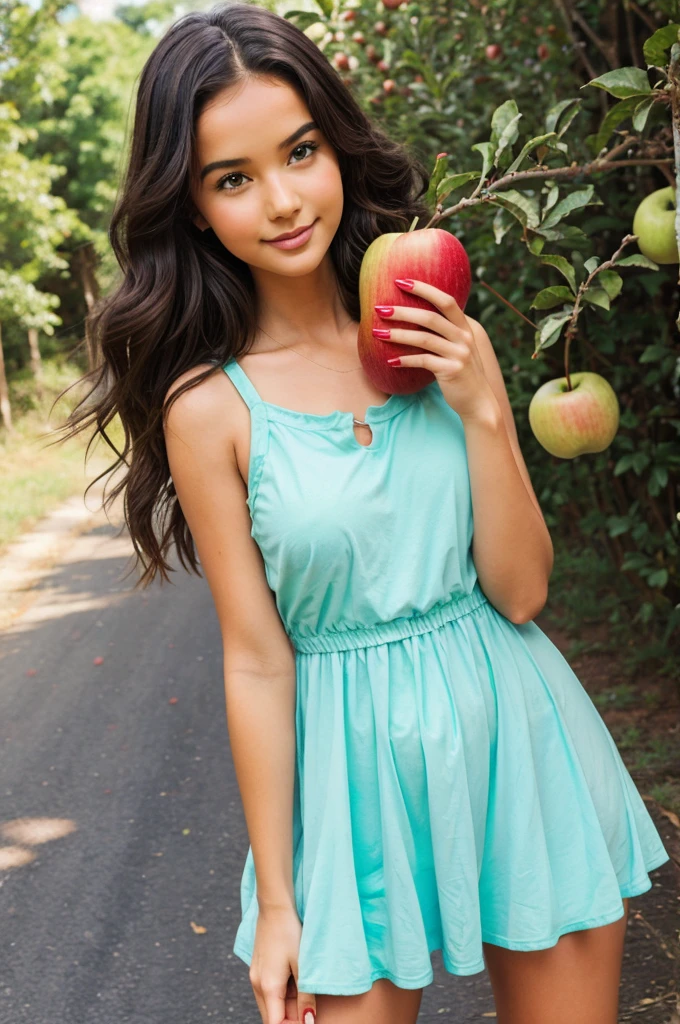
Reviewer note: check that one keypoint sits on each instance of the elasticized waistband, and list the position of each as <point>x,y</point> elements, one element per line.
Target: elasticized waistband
<point>394,629</point>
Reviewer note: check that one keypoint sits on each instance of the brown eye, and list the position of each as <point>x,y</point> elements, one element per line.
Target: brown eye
<point>220,186</point>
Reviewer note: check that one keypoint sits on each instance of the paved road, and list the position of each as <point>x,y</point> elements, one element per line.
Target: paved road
<point>122,835</point>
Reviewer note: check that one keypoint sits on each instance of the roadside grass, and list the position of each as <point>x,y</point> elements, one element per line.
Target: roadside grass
<point>36,475</point>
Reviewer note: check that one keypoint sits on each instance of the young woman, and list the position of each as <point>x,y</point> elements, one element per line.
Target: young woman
<point>419,766</point>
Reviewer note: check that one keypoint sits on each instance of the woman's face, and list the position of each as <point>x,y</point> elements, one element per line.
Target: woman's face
<point>269,188</point>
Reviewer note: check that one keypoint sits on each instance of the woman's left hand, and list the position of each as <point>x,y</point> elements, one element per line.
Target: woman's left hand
<point>452,354</point>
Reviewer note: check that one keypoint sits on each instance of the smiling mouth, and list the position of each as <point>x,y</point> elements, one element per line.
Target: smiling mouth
<point>285,238</point>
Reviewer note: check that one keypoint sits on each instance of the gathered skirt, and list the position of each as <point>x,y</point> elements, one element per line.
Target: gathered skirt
<point>453,786</point>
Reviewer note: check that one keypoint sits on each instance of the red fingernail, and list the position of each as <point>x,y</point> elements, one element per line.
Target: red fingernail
<point>404,282</point>
<point>380,332</point>
<point>394,362</point>
<point>384,310</point>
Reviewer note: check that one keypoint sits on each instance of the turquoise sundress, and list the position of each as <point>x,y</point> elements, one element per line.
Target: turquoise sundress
<point>454,782</point>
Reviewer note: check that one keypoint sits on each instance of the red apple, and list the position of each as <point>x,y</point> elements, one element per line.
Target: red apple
<point>381,28</point>
<point>341,60</point>
<point>430,254</point>
<point>359,37</point>
<point>543,51</point>
<point>577,422</point>
<point>388,85</point>
<point>348,16</point>
<point>494,51</point>
<point>392,5</point>
<point>382,65</point>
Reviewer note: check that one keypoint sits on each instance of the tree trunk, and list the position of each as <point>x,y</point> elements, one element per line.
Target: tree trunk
<point>5,410</point>
<point>84,261</point>
<point>36,361</point>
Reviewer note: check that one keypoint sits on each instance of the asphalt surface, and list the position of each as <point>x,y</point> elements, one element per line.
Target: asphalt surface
<point>122,836</point>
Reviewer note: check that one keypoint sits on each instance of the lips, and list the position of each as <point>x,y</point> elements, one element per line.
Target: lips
<point>298,241</point>
<point>293,234</point>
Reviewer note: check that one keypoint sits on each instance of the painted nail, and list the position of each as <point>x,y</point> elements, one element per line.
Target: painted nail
<point>404,282</point>
<point>384,310</point>
<point>379,332</point>
<point>394,362</point>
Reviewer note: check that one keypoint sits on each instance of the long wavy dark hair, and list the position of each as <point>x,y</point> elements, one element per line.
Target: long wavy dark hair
<point>184,299</point>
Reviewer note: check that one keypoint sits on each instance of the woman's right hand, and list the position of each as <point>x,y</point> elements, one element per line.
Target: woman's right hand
<point>275,959</point>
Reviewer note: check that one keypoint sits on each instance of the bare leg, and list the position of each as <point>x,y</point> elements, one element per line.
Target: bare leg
<point>574,982</point>
<point>383,1004</point>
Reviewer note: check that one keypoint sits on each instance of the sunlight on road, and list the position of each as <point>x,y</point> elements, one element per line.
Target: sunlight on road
<point>27,832</point>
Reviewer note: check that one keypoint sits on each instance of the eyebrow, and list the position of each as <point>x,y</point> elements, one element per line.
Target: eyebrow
<point>302,130</point>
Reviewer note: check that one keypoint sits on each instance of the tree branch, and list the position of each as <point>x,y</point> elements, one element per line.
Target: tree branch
<point>541,172</point>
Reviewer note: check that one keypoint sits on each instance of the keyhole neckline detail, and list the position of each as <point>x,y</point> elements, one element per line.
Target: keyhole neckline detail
<point>327,421</point>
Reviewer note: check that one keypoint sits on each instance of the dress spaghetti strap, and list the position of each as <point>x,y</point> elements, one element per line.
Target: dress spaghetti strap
<point>242,383</point>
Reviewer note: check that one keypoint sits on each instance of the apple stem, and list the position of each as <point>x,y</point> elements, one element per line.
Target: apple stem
<point>578,308</point>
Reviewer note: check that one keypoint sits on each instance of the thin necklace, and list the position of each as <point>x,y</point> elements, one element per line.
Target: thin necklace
<point>363,423</point>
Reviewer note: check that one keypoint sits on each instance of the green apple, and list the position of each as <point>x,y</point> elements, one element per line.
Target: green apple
<point>577,422</point>
<point>654,224</point>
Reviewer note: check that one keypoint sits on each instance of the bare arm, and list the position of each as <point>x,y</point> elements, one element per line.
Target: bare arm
<point>259,662</point>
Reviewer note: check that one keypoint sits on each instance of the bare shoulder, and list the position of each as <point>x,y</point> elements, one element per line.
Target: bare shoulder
<point>203,411</point>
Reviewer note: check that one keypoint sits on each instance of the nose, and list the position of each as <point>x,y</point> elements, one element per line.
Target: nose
<point>282,201</point>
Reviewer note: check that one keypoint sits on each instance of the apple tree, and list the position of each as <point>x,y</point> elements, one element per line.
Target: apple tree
<point>547,130</point>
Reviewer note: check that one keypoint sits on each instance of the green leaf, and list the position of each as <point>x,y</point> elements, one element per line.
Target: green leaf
<point>550,329</point>
<point>452,182</point>
<point>501,224</point>
<point>554,114</point>
<point>624,464</point>
<point>574,201</point>
<point>637,260</point>
<point>563,265</point>
<point>611,282</point>
<point>641,113</point>
<point>591,264</point>
<point>536,244</point>
<point>654,49</point>
<point>526,149</point>
<point>552,296</point>
<point>618,113</point>
<point>411,59</point>
<point>596,296</point>
<point>658,578</point>
<point>302,19</point>
<point>503,128</point>
<point>521,206</point>
<point>506,141</point>
<point>616,525</point>
<point>622,82</point>
<point>501,118</point>
<point>565,233</point>
<point>440,166</point>
<point>552,197</point>
<point>486,149</point>
<point>652,353</point>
